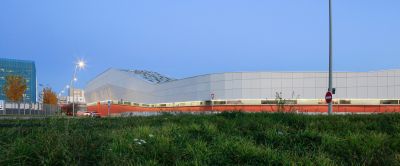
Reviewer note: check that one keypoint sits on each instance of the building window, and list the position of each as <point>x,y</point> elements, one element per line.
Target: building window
<point>219,102</point>
<point>269,102</point>
<point>389,102</point>
<point>345,101</point>
<point>234,102</point>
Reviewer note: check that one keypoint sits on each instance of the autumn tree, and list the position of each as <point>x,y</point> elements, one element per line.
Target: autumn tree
<point>49,97</point>
<point>14,88</point>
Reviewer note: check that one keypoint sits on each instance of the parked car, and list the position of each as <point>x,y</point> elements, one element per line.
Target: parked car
<point>82,113</point>
<point>86,114</point>
<point>94,114</point>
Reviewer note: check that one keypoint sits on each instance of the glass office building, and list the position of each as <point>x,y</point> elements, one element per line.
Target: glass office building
<point>22,68</point>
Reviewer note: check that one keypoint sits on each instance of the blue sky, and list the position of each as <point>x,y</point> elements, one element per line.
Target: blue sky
<point>182,38</point>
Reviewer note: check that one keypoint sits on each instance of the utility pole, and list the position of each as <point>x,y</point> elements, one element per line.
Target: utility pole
<point>80,65</point>
<point>330,55</point>
<point>71,90</point>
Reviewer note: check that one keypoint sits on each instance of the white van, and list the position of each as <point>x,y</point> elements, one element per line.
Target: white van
<point>2,105</point>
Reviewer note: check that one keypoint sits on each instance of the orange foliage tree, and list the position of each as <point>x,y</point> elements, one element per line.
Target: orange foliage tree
<point>14,88</point>
<point>49,97</point>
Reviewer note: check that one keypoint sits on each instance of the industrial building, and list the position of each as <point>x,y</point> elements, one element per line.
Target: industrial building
<point>23,68</point>
<point>143,90</point>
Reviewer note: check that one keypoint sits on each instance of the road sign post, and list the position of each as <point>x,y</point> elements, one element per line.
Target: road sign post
<point>109,106</point>
<point>330,56</point>
<point>212,103</point>
<point>328,97</point>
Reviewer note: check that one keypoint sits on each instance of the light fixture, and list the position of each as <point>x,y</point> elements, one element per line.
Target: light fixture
<point>81,64</point>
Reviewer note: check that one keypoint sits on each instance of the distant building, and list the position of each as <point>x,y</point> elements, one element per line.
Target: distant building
<point>22,68</point>
<point>77,97</point>
<point>126,85</point>
<point>135,91</point>
<point>62,100</point>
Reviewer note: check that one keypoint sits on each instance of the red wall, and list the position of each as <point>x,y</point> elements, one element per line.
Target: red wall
<point>115,109</point>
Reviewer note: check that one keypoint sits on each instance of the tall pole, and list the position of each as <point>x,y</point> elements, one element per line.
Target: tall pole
<point>71,90</point>
<point>108,105</point>
<point>330,55</point>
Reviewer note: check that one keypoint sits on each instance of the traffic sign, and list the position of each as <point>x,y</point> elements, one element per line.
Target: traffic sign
<point>328,97</point>
<point>212,96</point>
<point>109,103</point>
<point>109,106</point>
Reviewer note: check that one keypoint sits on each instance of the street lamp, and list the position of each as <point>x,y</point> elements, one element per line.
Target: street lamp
<point>330,55</point>
<point>79,65</point>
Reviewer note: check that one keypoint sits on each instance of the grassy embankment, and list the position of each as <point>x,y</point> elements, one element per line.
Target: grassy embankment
<point>224,139</point>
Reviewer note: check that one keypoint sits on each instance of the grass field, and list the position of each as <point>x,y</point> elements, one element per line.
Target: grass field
<point>223,139</point>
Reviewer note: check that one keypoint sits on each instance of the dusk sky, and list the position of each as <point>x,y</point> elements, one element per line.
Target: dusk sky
<point>182,38</point>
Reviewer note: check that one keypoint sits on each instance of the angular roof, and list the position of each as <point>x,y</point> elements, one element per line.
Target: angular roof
<point>149,76</point>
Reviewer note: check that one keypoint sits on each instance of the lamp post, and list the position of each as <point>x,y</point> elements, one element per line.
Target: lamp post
<point>80,65</point>
<point>330,55</point>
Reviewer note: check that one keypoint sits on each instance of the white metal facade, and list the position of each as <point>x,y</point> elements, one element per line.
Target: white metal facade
<point>116,84</point>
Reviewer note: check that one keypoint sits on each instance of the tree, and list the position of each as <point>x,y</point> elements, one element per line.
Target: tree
<point>280,102</point>
<point>14,88</point>
<point>49,97</point>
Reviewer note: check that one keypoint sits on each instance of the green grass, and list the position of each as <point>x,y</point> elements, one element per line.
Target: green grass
<point>224,139</point>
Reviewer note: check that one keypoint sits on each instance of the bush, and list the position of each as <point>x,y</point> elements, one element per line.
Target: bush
<point>224,139</point>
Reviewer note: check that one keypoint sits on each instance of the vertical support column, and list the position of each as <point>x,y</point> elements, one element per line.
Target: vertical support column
<point>330,110</point>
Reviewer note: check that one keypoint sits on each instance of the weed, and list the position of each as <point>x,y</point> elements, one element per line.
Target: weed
<point>224,139</point>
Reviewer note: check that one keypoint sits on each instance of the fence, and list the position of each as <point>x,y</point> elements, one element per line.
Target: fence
<point>38,109</point>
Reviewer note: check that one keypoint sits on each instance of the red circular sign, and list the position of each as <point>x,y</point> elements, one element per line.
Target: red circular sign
<point>328,97</point>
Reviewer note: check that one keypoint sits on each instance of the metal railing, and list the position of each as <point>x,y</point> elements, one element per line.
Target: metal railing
<point>29,109</point>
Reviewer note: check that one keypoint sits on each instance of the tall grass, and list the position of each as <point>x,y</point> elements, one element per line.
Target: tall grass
<point>223,139</point>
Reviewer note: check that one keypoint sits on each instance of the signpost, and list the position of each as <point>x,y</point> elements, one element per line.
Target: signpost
<point>212,103</point>
<point>330,58</point>
<point>328,97</point>
<point>109,106</point>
